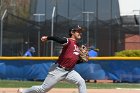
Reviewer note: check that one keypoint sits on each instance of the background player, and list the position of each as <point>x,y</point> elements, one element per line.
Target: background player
<point>63,68</point>
<point>30,52</point>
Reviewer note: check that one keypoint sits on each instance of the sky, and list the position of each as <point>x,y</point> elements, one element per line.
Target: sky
<point>127,7</point>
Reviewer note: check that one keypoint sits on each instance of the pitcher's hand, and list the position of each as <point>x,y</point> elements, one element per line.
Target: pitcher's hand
<point>44,38</point>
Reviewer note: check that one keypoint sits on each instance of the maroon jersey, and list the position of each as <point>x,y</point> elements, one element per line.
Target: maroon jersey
<point>70,54</point>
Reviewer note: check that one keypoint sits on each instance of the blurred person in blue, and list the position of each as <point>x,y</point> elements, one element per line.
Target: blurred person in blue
<point>30,52</point>
<point>93,52</point>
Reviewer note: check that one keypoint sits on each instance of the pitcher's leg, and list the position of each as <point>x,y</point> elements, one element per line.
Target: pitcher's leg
<point>53,77</point>
<point>74,77</point>
<point>49,82</point>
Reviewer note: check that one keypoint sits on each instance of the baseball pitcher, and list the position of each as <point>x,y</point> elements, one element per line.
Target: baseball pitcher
<point>71,55</point>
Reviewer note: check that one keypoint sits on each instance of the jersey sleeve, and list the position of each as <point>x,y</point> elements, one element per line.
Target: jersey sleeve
<point>66,42</point>
<point>58,39</point>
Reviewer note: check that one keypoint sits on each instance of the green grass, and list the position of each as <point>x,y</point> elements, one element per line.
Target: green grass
<point>25,84</point>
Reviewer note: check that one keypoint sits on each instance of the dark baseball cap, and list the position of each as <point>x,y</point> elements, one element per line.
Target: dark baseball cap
<point>77,28</point>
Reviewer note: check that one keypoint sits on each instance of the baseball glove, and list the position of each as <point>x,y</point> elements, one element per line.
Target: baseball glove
<point>83,53</point>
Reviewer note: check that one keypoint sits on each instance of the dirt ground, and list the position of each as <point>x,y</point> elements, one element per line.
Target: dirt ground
<point>71,90</point>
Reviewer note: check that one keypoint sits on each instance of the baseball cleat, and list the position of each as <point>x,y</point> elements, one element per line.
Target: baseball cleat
<point>19,90</point>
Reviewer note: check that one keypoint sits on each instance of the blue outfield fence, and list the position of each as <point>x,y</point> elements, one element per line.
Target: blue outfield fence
<point>99,68</point>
